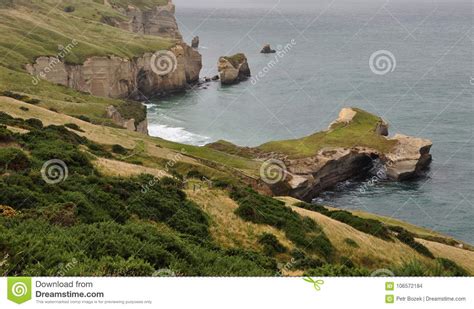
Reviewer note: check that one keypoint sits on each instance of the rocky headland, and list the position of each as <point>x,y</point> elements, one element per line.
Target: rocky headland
<point>354,146</point>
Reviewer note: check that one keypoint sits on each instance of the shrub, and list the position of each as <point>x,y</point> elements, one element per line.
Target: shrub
<point>20,97</point>
<point>194,174</point>
<point>451,268</point>
<point>13,159</point>
<point>369,226</point>
<point>303,231</point>
<point>412,268</point>
<point>221,183</point>
<point>69,9</point>
<point>351,242</point>
<point>83,118</point>
<point>25,109</point>
<point>271,245</point>
<point>74,127</point>
<point>302,261</point>
<point>5,135</point>
<point>35,123</point>
<point>409,239</point>
<point>119,149</point>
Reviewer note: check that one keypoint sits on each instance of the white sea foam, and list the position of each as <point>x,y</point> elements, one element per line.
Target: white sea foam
<point>177,134</point>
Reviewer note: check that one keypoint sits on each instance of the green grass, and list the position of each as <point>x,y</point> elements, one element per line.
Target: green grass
<point>359,132</point>
<point>30,29</point>
<point>142,4</point>
<point>36,28</point>
<point>236,59</point>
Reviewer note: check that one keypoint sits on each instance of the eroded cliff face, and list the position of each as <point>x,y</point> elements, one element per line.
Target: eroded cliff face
<point>159,21</point>
<point>116,77</point>
<point>138,78</point>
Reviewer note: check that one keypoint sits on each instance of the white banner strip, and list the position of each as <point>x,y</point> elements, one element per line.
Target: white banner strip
<point>239,293</point>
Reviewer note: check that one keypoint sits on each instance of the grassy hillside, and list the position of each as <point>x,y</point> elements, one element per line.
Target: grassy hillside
<point>30,29</point>
<point>239,232</point>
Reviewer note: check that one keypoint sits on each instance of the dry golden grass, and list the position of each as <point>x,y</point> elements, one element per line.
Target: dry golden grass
<point>373,252</point>
<point>227,228</point>
<point>122,169</point>
<point>99,134</point>
<point>462,257</point>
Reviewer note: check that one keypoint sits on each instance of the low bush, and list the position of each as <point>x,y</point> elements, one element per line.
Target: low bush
<point>303,231</point>
<point>74,126</point>
<point>119,149</point>
<point>369,226</point>
<point>13,159</point>
<point>5,135</point>
<point>271,245</point>
<point>351,242</point>
<point>69,9</point>
<point>409,239</point>
<point>451,268</point>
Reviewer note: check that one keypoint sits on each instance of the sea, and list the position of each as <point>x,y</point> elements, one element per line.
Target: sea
<point>410,62</point>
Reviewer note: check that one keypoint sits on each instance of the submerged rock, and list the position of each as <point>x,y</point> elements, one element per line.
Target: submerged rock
<point>267,49</point>
<point>233,69</point>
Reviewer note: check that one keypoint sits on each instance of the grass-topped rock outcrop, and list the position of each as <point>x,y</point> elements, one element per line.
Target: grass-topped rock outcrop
<point>349,148</point>
<point>233,69</point>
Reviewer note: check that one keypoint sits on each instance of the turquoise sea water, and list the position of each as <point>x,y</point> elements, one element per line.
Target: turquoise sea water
<point>428,93</point>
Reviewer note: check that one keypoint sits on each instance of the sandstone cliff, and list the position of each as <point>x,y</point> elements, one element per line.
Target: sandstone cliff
<point>355,146</point>
<point>159,20</point>
<point>123,78</point>
<point>306,177</point>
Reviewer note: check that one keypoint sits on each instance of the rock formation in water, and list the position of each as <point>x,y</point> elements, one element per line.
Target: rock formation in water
<point>267,49</point>
<point>309,176</point>
<point>303,168</point>
<point>233,69</point>
<point>195,42</point>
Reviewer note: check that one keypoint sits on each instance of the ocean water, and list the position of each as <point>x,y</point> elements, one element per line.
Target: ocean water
<point>427,92</point>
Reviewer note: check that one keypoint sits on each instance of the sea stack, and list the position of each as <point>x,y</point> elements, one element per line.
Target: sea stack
<point>195,42</point>
<point>233,69</point>
<point>267,49</point>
